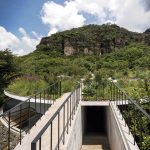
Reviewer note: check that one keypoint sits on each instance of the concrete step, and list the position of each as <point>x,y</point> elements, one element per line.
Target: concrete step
<point>95,142</point>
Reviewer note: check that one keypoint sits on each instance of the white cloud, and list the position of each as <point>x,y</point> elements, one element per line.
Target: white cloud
<point>130,14</point>
<point>22,31</point>
<point>61,17</point>
<point>7,39</point>
<point>52,31</point>
<point>19,46</point>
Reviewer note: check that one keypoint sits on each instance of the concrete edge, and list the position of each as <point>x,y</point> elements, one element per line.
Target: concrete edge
<point>128,139</point>
<point>24,98</point>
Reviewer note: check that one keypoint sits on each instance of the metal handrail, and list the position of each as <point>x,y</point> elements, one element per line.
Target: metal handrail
<point>38,137</point>
<point>141,109</point>
<point>133,114</point>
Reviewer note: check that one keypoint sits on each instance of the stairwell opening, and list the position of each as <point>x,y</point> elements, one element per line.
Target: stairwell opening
<point>94,120</point>
<point>94,126</point>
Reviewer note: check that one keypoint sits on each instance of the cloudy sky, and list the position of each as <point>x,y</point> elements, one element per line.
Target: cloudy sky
<point>24,22</point>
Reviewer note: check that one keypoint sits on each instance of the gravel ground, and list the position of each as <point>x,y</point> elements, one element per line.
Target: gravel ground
<point>14,138</point>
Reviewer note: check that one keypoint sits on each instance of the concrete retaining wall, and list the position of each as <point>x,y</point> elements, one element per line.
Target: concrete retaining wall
<point>117,132</point>
<point>113,133</point>
<point>74,139</point>
<point>39,108</point>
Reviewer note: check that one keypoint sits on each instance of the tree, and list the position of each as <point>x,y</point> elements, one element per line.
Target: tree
<point>7,70</point>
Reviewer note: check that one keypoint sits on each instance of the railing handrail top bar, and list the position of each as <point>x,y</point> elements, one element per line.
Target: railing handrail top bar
<point>31,96</point>
<point>141,109</point>
<point>53,117</point>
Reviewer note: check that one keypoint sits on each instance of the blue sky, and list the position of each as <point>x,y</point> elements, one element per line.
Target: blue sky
<point>22,13</point>
<point>24,22</point>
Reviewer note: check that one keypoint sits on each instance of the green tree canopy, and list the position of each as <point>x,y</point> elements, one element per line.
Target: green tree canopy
<point>7,70</point>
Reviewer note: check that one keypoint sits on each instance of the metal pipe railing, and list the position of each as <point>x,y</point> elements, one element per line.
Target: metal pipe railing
<point>68,109</point>
<point>134,115</point>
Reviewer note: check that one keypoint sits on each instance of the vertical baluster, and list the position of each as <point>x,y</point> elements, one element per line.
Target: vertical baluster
<point>117,95</point>
<point>141,129</point>
<point>58,129</point>
<point>129,115</point>
<point>40,103</point>
<point>125,108</point>
<point>70,110</point>
<point>44,102</point>
<point>51,136</point>
<point>74,102</point>
<point>40,143</point>
<point>60,88</point>
<point>111,91</point>
<point>122,106</point>
<point>72,99</point>
<point>9,115</point>
<point>119,98</point>
<point>48,102</point>
<point>20,123</point>
<point>64,128</point>
<point>35,102</point>
<point>53,89</point>
<point>103,91</point>
<point>29,117</point>
<point>67,114</point>
<point>134,122</point>
<point>114,93</point>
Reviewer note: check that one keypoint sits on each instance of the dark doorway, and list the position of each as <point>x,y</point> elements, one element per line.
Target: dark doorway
<point>94,118</point>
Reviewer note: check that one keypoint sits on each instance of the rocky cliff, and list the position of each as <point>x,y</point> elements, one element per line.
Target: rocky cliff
<point>92,39</point>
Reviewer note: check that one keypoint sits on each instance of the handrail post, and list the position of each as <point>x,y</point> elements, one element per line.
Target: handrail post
<point>9,130</point>
<point>58,128</point>
<point>20,121</point>
<point>33,146</point>
<point>60,88</point>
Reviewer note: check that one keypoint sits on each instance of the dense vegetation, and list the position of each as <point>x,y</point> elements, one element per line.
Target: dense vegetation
<point>129,65</point>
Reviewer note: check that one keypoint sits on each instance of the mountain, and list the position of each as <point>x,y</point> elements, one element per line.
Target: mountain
<point>91,40</point>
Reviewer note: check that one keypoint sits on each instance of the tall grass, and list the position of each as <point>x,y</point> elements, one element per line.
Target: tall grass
<point>26,87</point>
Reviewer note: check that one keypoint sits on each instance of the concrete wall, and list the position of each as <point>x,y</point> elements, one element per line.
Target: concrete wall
<point>114,136</point>
<point>74,139</point>
<point>11,103</point>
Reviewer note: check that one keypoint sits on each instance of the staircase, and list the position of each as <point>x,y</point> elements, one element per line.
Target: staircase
<point>95,142</point>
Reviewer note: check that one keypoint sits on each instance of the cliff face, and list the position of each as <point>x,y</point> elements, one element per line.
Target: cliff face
<point>92,39</point>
